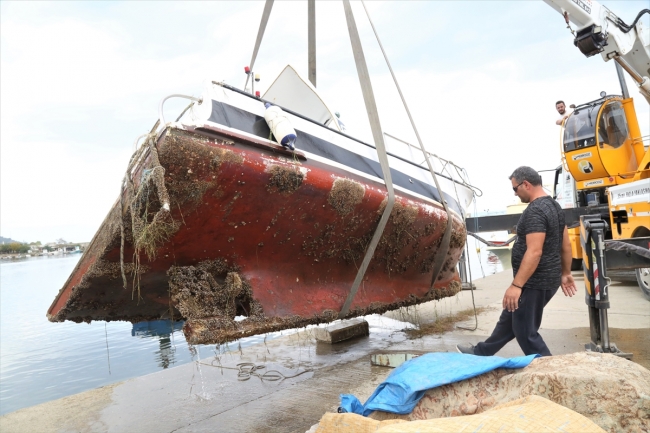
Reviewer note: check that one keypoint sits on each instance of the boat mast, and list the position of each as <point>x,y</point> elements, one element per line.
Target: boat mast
<point>311,19</point>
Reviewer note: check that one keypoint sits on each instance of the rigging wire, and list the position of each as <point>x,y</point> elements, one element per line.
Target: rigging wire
<point>471,288</point>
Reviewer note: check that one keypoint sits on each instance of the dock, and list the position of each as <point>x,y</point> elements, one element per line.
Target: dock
<point>287,384</point>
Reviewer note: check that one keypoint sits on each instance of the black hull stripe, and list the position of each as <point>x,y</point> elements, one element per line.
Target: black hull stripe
<point>243,120</point>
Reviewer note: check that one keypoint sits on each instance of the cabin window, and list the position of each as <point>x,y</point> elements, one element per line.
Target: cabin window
<point>580,129</point>
<point>612,126</point>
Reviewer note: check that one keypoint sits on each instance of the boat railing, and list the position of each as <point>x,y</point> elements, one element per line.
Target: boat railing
<point>161,114</point>
<point>459,178</point>
<point>444,163</point>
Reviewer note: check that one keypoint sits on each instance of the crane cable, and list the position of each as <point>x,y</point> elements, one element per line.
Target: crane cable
<point>443,249</point>
<point>375,126</point>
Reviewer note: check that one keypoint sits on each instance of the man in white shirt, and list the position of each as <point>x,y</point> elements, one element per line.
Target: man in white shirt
<point>561,108</point>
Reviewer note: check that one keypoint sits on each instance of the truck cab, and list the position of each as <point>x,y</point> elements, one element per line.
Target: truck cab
<point>602,147</point>
<point>603,151</point>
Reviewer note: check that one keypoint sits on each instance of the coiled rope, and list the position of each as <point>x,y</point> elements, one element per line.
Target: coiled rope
<point>246,370</point>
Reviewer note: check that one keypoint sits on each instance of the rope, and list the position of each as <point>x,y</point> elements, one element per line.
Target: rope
<point>443,249</point>
<point>246,370</point>
<point>492,244</point>
<point>184,111</point>
<point>375,125</point>
<point>471,288</point>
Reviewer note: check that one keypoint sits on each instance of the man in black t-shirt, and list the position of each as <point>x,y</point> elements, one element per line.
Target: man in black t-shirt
<point>541,262</point>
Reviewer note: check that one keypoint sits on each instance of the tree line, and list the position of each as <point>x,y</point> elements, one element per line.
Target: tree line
<point>14,248</point>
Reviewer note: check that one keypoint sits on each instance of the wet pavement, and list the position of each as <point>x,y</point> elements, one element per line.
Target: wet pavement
<point>290,382</point>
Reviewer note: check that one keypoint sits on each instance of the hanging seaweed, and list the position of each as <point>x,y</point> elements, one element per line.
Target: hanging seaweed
<point>151,221</point>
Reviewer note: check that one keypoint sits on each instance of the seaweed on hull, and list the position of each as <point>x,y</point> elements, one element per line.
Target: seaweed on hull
<point>209,227</point>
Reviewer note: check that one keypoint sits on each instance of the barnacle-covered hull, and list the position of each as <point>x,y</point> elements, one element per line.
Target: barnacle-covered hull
<point>255,231</point>
<point>216,221</point>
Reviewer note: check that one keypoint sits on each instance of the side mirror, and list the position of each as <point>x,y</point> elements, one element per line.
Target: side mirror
<point>572,106</point>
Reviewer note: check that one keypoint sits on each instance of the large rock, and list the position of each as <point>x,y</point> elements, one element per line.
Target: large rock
<point>612,392</point>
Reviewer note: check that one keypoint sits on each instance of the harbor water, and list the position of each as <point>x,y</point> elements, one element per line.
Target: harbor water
<point>42,361</point>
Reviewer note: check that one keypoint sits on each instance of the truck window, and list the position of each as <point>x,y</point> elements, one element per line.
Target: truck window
<point>612,126</point>
<point>580,129</point>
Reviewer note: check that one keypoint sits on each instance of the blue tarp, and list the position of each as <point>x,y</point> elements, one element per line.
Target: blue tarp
<point>405,386</point>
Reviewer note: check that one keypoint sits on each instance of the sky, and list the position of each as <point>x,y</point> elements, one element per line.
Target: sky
<point>80,81</point>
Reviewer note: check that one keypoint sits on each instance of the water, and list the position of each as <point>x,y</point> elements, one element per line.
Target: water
<point>42,361</point>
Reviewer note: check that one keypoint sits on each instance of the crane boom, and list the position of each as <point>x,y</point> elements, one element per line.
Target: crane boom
<point>600,31</point>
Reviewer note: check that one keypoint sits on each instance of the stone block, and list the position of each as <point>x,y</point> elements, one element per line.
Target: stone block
<point>345,330</point>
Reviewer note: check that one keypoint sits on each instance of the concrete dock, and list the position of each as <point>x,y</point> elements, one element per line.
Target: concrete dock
<point>288,383</point>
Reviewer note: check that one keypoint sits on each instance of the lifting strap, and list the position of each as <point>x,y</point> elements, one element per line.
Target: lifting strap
<point>378,136</point>
<point>441,254</point>
<point>260,34</point>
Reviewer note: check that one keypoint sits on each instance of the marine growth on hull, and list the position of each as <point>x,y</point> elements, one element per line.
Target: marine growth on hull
<point>208,229</point>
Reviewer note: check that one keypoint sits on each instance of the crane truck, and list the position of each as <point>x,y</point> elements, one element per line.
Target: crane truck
<point>602,146</point>
<point>604,152</point>
<point>604,155</point>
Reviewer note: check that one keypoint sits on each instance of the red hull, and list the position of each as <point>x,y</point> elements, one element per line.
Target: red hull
<point>255,231</point>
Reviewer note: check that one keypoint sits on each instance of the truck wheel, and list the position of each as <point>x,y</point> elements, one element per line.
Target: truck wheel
<point>643,278</point>
<point>576,264</point>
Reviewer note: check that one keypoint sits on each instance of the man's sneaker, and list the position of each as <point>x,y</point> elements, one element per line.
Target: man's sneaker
<point>465,348</point>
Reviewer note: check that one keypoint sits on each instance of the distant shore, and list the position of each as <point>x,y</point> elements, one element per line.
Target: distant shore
<point>28,255</point>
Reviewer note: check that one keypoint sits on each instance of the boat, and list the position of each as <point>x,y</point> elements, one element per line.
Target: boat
<point>222,226</point>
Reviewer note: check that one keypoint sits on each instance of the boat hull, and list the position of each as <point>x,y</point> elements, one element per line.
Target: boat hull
<point>253,230</point>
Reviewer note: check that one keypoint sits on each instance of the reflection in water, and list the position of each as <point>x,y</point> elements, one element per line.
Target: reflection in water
<point>42,361</point>
<point>164,331</point>
<point>165,356</point>
<point>156,328</point>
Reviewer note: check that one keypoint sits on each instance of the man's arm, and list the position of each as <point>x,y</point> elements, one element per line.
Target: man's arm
<point>568,285</point>
<point>534,247</point>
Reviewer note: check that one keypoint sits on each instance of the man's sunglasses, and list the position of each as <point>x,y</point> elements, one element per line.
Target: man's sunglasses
<point>515,188</point>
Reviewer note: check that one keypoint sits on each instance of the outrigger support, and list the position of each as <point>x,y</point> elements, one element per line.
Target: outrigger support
<point>592,238</point>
